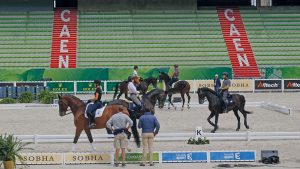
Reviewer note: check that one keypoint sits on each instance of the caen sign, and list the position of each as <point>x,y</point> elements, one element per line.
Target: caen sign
<point>41,158</point>
<point>267,84</point>
<point>87,158</point>
<point>291,84</point>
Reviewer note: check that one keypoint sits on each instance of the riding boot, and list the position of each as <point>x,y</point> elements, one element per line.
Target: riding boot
<point>91,121</point>
<point>226,107</point>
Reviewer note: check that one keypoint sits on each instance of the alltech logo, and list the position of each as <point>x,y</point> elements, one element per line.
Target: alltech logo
<point>268,84</point>
<point>291,84</point>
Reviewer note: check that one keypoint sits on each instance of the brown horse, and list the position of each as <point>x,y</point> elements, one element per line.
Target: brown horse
<point>182,87</point>
<point>77,108</point>
<point>143,87</point>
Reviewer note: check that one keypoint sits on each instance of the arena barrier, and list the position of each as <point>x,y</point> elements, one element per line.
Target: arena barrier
<point>76,158</point>
<point>167,137</point>
<point>275,107</point>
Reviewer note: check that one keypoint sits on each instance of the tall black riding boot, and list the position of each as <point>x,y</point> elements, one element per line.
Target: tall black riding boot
<point>91,122</point>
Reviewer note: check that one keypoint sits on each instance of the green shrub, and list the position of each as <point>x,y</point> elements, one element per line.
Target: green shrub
<point>8,101</point>
<point>199,141</point>
<point>46,97</point>
<point>26,97</point>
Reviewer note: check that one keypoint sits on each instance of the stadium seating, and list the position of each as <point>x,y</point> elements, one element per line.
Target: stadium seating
<point>151,39</point>
<point>25,39</point>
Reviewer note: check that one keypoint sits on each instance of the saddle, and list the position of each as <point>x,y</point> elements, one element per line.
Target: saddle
<point>98,112</point>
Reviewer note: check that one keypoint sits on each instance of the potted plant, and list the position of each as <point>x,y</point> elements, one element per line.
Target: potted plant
<point>10,149</point>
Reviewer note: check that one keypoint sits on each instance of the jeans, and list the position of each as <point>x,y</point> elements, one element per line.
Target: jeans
<point>173,80</point>
<point>93,107</point>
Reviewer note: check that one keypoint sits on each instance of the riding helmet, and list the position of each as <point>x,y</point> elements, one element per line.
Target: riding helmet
<point>97,82</point>
<point>225,73</point>
<point>176,66</point>
<point>135,67</point>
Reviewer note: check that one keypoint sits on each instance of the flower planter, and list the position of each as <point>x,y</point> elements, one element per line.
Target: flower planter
<point>9,165</point>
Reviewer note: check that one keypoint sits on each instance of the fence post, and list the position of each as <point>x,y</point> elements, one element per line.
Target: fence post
<point>253,84</point>
<point>194,86</point>
<point>36,139</point>
<point>248,136</point>
<point>75,88</point>
<point>282,85</point>
<point>208,156</point>
<point>160,157</point>
<point>105,87</point>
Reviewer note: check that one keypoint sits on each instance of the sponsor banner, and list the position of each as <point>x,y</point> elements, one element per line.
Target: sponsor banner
<point>267,84</point>
<point>236,84</point>
<point>137,157</point>
<point>61,87</point>
<point>87,158</point>
<point>6,84</point>
<point>291,84</point>
<point>87,87</point>
<point>111,86</point>
<point>34,84</point>
<point>179,157</point>
<point>41,158</point>
<point>232,156</point>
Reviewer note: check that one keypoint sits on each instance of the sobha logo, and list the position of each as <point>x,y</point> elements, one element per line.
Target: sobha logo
<point>267,85</point>
<point>292,85</point>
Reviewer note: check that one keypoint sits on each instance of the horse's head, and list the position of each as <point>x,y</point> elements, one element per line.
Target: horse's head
<point>201,95</point>
<point>163,76</point>
<point>161,99</point>
<point>63,105</point>
<point>154,82</point>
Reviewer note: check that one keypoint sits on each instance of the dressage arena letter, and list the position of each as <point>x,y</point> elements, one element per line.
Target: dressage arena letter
<point>238,45</point>
<point>64,43</point>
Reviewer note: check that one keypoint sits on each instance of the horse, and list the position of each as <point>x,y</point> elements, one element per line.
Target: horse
<point>182,87</point>
<point>236,103</point>
<point>78,107</point>
<point>143,87</point>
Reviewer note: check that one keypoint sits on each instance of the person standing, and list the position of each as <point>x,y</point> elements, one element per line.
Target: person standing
<point>133,94</point>
<point>97,104</point>
<point>175,76</point>
<point>217,83</point>
<point>150,128</point>
<point>119,124</point>
<point>225,91</point>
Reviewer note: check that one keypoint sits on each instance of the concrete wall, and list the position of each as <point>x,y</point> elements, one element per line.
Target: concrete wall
<point>134,5</point>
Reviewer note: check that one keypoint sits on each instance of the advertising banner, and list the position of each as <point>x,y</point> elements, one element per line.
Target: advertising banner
<point>267,85</point>
<point>291,84</point>
<point>236,84</point>
<point>87,86</point>
<point>61,87</point>
<point>4,84</point>
<point>137,157</point>
<point>180,157</point>
<point>87,158</point>
<point>217,156</point>
<point>41,158</point>
<point>31,84</point>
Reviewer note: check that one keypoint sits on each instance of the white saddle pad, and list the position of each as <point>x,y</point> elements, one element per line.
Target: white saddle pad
<point>98,112</point>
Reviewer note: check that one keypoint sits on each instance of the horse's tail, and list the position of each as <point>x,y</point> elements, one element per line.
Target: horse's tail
<point>116,90</point>
<point>243,103</point>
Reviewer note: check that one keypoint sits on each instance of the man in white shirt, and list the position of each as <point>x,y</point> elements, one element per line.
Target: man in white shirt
<point>135,75</point>
<point>134,94</point>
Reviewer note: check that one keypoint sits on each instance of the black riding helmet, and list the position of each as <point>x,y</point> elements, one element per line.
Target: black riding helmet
<point>129,78</point>
<point>135,67</point>
<point>225,73</point>
<point>97,82</point>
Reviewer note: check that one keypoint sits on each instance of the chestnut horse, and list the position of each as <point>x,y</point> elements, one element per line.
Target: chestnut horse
<point>77,108</point>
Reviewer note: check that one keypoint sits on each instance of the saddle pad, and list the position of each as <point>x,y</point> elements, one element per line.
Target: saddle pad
<point>98,112</point>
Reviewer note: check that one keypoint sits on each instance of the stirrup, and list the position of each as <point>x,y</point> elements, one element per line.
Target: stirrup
<point>92,125</point>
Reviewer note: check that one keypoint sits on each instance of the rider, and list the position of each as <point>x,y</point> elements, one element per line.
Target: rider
<point>134,94</point>
<point>97,103</point>
<point>224,90</point>
<point>175,76</point>
<point>135,75</point>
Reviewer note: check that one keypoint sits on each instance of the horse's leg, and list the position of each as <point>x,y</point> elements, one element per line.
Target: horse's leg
<point>126,95</point>
<point>212,114</point>
<point>134,129</point>
<point>189,99</point>
<point>183,100</point>
<point>245,119</point>
<point>238,119</point>
<point>90,137</point>
<point>216,123</point>
<point>119,95</point>
<point>77,135</point>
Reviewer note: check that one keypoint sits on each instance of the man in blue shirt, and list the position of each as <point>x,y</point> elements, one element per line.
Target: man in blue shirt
<point>150,128</point>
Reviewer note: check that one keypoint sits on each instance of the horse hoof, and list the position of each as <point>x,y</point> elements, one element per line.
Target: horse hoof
<point>169,108</point>
<point>189,107</point>
<point>247,127</point>
<point>181,109</point>
<point>213,131</point>
<point>237,130</point>
<point>175,108</point>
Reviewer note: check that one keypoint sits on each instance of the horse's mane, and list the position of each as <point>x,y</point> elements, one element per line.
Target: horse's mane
<point>76,99</point>
<point>208,90</point>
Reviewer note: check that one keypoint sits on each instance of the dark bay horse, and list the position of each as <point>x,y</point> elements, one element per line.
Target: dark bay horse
<point>143,87</point>
<point>182,87</point>
<point>215,106</point>
<point>77,108</point>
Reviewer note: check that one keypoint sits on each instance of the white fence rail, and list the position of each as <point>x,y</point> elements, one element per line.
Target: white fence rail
<point>243,136</point>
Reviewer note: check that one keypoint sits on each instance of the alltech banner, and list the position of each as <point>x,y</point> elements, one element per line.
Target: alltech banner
<point>236,84</point>
<point>268,85</point>
<point>291,84</point>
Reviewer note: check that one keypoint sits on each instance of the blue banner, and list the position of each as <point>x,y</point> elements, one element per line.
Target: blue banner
<point>232,156</point>
<point>188,157</point>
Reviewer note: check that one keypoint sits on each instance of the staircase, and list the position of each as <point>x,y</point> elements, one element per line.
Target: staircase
<point>238,46</point>
<point>64,38</point>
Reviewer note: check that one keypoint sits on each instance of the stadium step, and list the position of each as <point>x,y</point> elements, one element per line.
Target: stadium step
<point>239,48</point>
<point>64,39</point>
